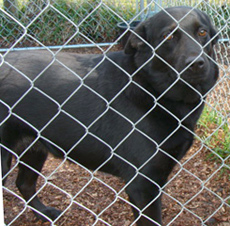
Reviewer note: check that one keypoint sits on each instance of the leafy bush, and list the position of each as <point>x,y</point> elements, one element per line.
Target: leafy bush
<point>65,21</point>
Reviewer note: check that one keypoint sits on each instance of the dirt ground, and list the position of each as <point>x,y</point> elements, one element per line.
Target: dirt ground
<point>198,191</point>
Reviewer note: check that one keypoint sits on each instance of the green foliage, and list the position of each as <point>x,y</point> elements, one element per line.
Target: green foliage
<point>66,21</point>
<point>92,19</point>
<point>215,132</point>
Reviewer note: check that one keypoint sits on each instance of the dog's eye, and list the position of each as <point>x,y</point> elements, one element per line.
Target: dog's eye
<point>168,36</point>
<point>202,33</point>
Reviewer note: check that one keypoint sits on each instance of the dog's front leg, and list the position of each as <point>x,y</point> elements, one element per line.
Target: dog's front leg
<point>146,197</point>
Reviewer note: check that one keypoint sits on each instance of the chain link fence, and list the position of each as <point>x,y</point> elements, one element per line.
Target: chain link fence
<point>197,191</point>
<point>57,22</point>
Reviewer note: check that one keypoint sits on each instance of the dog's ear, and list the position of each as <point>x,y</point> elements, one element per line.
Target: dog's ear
<point>135,40</point>
<point>214,35</point>
<point>213,32</point>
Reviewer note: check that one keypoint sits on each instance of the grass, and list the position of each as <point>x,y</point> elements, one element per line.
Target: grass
<point>215,132</point>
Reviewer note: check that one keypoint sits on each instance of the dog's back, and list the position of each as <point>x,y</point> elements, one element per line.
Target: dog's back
<point>60,98</point>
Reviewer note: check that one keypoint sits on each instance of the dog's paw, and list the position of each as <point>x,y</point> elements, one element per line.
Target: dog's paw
<point>47,214</point>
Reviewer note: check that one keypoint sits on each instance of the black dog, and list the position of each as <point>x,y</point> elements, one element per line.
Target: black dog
<point>131,113</point>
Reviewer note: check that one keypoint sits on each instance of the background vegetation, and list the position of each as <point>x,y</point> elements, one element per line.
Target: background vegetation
<point>57,23</point>
<point>214,130</point>
<point>71,21</point>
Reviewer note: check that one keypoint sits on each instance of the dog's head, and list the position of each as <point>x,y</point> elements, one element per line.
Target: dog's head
<point>176,44</point>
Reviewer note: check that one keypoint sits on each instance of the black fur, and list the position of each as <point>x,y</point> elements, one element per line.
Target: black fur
<point>135,118</point>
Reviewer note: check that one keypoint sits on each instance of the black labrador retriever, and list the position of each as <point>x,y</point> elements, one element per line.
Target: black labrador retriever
<point>130,113</point>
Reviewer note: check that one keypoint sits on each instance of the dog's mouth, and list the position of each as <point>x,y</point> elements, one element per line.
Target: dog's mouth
<point>193,79</point>
<point>193,70</point>
<point>195,75</point>
<point>190,77</point>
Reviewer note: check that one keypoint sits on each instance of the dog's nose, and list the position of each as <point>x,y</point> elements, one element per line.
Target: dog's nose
<point>195,63</point>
